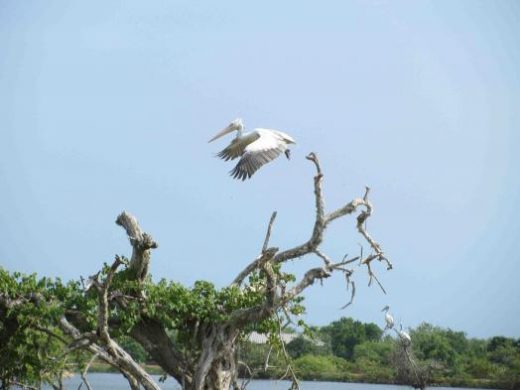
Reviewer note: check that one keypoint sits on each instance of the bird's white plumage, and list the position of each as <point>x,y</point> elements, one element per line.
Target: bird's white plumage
<point>264,149</point>
<point>256,148</point>
<point>237,147</point>
<point>388,318</point>
<point>405,336</point>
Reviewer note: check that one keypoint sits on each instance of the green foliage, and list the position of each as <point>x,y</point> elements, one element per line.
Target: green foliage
<point>376,352</point>
<point>180,308</point>
<point>430,343</point>
<point>346,333</point>
<point>304,345</point>
<point>133,348</point>
<point>454,358</point>
<point>468,362</point>
<point>31,345</point>
<point>33,355</point>
<point>315,367</point>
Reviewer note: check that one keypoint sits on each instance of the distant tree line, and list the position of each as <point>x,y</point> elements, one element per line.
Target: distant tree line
<point>355,351</point>
<point>350,350</point>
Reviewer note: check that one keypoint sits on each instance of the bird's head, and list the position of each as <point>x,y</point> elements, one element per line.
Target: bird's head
<point>236,125</point>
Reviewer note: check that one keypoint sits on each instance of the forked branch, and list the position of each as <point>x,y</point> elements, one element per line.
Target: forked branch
<point>321,222</point>
<point>312,246</point>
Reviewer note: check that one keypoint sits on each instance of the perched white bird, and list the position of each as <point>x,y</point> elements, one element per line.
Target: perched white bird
<point>254,149</point>
<point>404,336</point>
<point>388,318</point>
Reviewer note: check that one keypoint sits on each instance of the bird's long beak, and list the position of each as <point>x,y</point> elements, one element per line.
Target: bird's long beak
<point>385,308</point>
<point>225,131</point>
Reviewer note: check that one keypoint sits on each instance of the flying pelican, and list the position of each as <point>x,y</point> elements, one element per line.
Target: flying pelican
<point>388,318</point>
<point>254,149</point>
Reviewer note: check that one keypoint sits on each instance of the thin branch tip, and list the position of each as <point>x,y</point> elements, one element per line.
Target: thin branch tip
<point>367,190</point>
<point>314,158</point>
<point>269,229</point>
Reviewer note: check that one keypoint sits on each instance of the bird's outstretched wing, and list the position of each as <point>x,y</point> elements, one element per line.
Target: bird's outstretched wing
<point>237,146</point>
<point>260,152</point>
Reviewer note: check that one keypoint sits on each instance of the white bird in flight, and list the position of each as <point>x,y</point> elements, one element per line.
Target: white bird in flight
<point>388,318</point>
<point>255,148</point>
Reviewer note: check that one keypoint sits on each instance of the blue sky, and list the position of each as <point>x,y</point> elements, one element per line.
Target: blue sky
<point>108,105</point>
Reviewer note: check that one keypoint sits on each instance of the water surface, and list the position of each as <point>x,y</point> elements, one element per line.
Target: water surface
<point>118,382</point>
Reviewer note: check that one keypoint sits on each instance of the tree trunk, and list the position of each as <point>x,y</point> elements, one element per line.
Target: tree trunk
<point>215,368</point>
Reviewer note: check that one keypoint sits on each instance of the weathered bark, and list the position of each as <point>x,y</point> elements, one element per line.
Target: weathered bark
<point>141,243</point>
<point>216,367</point>
<point>152,336</point>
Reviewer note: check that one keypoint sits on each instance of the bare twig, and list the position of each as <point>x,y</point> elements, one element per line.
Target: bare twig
<point>352,294</point>
<point>295,384</point>
<point>343,262</point>
<point>85,371</point>
<point>361,226</point>
<point>372,276</point>
<point>22,385</point>
<point>266,255</point>
<point>308,279</point>
<point>323,256</point>
<point>268,234</point>
<point>245,381</point>
<point>266,363</point>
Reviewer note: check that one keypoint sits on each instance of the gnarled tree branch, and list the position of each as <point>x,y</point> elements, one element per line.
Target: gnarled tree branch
<point>312,246</point>
<point>102,344</point>
<point>141,243</point>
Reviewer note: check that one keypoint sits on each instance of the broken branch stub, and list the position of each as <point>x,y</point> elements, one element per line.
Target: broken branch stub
<point>141,243</point>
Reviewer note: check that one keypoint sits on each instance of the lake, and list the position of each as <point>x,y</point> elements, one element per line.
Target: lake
<point>118,382</point>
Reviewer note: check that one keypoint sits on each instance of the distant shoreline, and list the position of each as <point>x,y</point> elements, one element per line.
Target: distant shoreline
<point>153,369</point>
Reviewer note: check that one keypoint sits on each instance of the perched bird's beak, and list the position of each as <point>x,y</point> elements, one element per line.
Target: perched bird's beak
<point>231,127</point>
<point>385,308</point>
